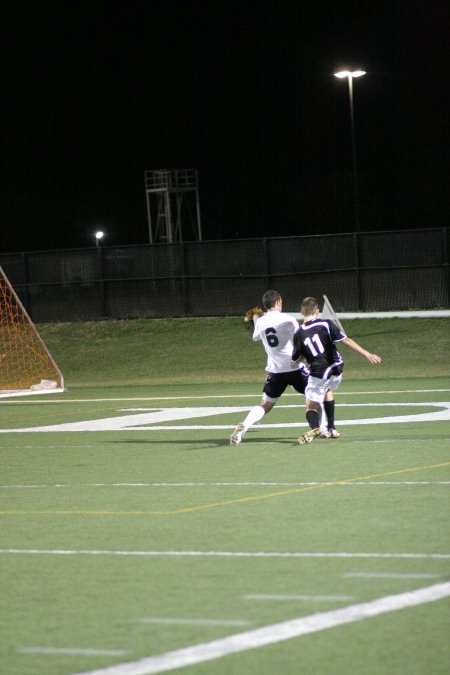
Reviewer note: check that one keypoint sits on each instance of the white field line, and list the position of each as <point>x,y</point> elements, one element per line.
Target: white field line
<point>45,446</point>
<point>228,427</point>
<point>72,651</point>
<point>226,554</point>
<point>41,392</point>
<point>223,484</point>
<point>165,416</point>
<point>275,633</point>
<point>297,406</point>
<point>213,396</point>
<point>392,575</point>
<point>289,598</point>
<point>189,622</point>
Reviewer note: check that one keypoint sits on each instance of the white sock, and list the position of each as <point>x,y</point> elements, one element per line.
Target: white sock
<point>255,414</point>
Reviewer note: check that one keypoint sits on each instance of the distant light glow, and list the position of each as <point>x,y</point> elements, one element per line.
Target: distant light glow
<point>350,73</point>
<point>99,235</point>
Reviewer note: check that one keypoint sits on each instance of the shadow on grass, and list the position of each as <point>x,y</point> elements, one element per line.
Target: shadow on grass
<point>209,442</point>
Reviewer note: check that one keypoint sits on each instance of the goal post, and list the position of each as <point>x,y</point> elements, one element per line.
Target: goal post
<point>26,365</point>
<point>329,313</point>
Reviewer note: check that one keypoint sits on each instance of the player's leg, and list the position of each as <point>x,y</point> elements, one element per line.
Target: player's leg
<point>255,415</point>
<point>313,414</point>
<point>299,381</point>
<point>328,421</point>
<point>323,423</point>
<point>329,405</point>
<point>315,394</point>
<point>273,388</point>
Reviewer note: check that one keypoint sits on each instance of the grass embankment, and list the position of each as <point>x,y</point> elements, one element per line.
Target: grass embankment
<point>220,350</point>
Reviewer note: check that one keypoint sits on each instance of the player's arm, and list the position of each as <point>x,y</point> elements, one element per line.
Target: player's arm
<point>299,358</point>
<point>372,358</point>
<point>256,332</point>
<point>297,355</point>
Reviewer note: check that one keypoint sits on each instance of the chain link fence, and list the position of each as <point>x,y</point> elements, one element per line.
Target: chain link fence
<point>374,271</point>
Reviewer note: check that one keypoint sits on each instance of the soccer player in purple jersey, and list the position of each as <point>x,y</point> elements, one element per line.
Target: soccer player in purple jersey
<point>315,344</point>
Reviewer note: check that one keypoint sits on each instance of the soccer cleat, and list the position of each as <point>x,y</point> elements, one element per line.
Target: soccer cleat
<point>309,436</point>
<point>237,435</point>
<point>332,433</point>
<point>325,434</point>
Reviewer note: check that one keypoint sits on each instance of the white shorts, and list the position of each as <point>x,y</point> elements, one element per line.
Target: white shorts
<point>317,388</point>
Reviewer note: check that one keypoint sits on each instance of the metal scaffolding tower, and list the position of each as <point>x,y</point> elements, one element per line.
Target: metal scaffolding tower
<point>172,205</point>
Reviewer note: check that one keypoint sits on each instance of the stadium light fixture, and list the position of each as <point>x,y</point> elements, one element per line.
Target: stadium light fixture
<point>350,74</point>
<point>98,235</point>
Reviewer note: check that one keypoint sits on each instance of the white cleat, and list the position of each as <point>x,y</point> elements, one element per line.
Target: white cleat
<point>237,435</point>
<point>309,436</point>
<point>329,433</point>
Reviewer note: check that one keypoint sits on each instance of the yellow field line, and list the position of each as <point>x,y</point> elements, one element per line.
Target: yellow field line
<point>308,488</point>
<point>227,502</point>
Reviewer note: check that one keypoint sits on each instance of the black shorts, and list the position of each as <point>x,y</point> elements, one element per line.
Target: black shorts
<point>276,383</point>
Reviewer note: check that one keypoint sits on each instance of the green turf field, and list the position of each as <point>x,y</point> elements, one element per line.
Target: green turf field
<point>134,539</point>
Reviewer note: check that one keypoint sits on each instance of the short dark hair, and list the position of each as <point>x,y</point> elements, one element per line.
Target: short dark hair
<point>310,305</point>
<point>270,298</point>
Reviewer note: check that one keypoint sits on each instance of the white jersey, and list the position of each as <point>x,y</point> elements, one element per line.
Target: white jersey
<point>276,330</point>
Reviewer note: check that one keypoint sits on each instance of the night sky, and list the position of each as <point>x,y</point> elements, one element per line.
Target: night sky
<point>93,95</point>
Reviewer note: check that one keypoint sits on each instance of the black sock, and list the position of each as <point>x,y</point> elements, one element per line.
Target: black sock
<point>329,411</point>
<point>313,418</point>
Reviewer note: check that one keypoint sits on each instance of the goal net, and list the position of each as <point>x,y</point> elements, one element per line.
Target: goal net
<point>26,365</point>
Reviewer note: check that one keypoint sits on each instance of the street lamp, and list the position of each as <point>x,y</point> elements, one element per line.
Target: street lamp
<point>350,75</point>
<point>98,235</point>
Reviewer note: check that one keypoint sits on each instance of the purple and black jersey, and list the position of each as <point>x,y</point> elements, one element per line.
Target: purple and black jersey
<point>315,341</point>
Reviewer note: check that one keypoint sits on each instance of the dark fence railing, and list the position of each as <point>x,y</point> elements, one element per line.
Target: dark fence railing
<point>367,271</point>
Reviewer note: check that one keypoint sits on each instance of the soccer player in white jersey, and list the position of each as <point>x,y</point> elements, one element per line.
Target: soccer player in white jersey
<point>314,343</point>
<point>275,329</point>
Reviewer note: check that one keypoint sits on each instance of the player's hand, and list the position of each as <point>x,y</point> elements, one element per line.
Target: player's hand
<point>251,313</point>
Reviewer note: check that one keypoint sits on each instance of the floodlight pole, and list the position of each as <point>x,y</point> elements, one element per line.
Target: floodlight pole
<point>350,75</point>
